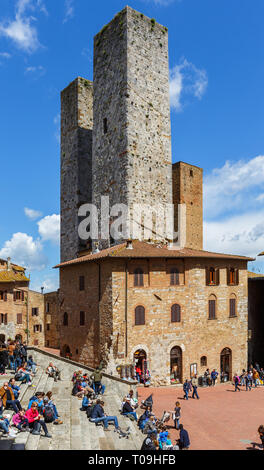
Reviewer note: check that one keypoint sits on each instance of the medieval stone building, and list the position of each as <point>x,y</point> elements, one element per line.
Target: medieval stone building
<point>21,309</point>
<point>173,309</point>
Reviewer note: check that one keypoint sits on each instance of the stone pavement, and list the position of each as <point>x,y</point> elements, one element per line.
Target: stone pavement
<point>76,432</point>
<point>221,420</point>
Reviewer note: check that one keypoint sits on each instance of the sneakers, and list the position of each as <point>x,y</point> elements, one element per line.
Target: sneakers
<point>12,433</point>
<point>35,433</point>
<point>48,435</point>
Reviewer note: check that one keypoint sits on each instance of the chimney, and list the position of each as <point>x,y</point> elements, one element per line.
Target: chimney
<point>8,263</point>
<point>42,290</point>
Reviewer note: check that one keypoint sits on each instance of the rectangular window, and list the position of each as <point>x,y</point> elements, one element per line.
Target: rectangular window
<point>48,327</point>
<point>47,307</point>
<point>2,295</point>
<point>82,282</point>
<point>232,276</point>
<point>37,328</point>
<point>211,309</point>
<point>19,319</point>
<point>35,312</point>
<point>82,318</point>
<point>232,307</point>
<point>105,126</point>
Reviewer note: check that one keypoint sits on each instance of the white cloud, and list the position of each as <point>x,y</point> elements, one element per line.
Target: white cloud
<point>69,11</point>
<point>21,30</point>
<point>50,284</point>
<point>234,186</point>
<point>25,251</point>
<point>186,82</point>
<point>32,214</point>
<point>35,71</point>
<point>56,121</point>
<point>5,55</point>
<point>49,228</point>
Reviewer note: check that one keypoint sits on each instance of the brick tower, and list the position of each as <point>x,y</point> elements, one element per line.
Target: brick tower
<point>76,161</point>
<point>132,133</point>
<point>188,190</point>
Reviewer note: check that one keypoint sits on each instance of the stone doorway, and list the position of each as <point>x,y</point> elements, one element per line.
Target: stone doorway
<point>18,338</point>
<point>141,365</point>
<point>66,352</point>
<point>226,364</point>
<point>176,365</point>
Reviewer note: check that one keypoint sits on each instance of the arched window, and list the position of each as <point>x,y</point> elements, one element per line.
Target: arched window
<point>232,306</point>
<point>140,315</point>
<point>212,307</point>
<point>174,277</point>
<point>203,361</point>
<point>138,277</point>
<point>175,313</point>
<point>65,319</point>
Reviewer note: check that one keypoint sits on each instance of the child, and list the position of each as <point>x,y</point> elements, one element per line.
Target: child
<point>20,421</point>
<point>177,414</point>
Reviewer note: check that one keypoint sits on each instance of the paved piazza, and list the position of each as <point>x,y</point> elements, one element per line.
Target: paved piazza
<point>221,420</point>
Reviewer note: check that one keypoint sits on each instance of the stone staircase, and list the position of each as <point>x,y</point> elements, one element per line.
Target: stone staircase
<point>76,432</point>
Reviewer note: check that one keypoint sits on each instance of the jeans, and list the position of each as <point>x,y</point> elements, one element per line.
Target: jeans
<point>186,394</point>
<point>35,425</point>
<point>18,362</point>
<point>194,391</point>
<point>106,420</point>
<point>25,377</point>
<point>177,423</point>
<point>4,426</point>
<point>133,413</point>
<point>236,387</point>
<point>15,404</point>
<point>248,385</point>
<point>98,388</point>
<point>12,362</point>
<point>23,424</point>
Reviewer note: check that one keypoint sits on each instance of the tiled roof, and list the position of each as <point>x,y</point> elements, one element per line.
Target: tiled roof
<point>12,276</point>
<point>255,275</point>
<point>149,250</point>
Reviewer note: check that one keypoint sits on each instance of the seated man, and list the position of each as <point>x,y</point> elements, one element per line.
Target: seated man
<point>53,372</point>
<point>128,410</point>
<point>97,385</point>
<point>99,415</point>
<point>8,398</point>
<point>133,401</point>
<point>15,388</point>
<point>31,365</point>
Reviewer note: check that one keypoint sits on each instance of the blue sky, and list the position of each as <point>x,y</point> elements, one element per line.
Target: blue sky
<point>216,58</point>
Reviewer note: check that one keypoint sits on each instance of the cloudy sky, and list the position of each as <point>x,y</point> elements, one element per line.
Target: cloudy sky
<point>216,58</point>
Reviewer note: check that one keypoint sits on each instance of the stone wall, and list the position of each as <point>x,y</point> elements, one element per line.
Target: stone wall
<point>132,136</point>
<point>76,161</point>
<point>188,190</point>
<point>36,300</point>
<point>52,320</point>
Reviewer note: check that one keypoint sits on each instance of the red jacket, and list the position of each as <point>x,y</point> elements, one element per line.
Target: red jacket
<point>31,414</point>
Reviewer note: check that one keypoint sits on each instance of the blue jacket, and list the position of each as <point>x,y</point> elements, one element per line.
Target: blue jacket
<point>85,402</point>
<point>97,412</point>
<point>184,438</point>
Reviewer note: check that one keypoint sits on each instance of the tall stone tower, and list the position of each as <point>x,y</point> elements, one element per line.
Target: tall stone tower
<point>132,133</point>
<point>188,190</point>
<point>76,161</point>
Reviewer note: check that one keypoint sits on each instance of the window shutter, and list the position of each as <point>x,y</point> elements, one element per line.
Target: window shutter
<point>175,313</point>
<point>19,318</point>
<point>138,278</point>
<point>14,295</point>
<point>232,307</point>
<point>237,276</point>
<point>207,276</point>
<point>217,276</point>
<point>6,319</point>
<point>228,276</point>
<point>23,296</point>
<point>5,296</point>
<point>140,315</point>
<point>175,280</point>
<point>211,309</point>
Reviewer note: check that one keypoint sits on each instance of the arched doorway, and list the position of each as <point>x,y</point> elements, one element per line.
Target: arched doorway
<point>66,352</point>
<point>2,339</point>
<point>226,364</point>
<point>176,365</point>
<point>18,338</point>
<point>141,365</point>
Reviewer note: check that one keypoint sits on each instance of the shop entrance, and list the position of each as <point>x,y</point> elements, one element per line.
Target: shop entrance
<point>176,365</point>
<point>66,352</point>
<point>141,365</point>
<point>226,364</point>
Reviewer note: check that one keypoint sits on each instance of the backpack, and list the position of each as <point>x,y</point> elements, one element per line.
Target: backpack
<point>89,411</point>
<point>18,375</point>
<point>48,414</point>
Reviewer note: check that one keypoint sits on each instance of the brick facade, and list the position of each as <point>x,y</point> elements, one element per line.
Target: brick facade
<point>51,315</point>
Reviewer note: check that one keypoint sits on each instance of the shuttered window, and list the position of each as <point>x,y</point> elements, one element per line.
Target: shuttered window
<point>81,282</point>
<point>174,277</point>
<point>140,315</point>
<point>232,276</point>
<point>138,277</point>
<point>212,309</point>
<point>175,313</point>
<point>82,318</point>
<point>19,319</point>
<point>232,307</point>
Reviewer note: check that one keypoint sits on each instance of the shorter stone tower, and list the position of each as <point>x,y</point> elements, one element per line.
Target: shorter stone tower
<point>76,161</point>
<point>188,189</point>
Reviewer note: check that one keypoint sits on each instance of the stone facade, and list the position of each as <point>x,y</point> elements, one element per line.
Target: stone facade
<point>188,189</point>
<point>52,330</point>
<point>110,299</point>
<point>76,161</point>
<point>132,134</point>
<point>17,303</point>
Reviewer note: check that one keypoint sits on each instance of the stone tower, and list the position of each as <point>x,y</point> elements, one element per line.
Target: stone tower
<point>188,190</point>
<point>76,161</point>
<point>132,132</point>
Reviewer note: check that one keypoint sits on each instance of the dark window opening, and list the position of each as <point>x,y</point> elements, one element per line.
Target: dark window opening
<point>82,282</point>
<point>175,313</point>
<point>140,315</point>
<point>82,318</point>
<point>105,126</point>
<point>174,277</point>
<point>138,278</point>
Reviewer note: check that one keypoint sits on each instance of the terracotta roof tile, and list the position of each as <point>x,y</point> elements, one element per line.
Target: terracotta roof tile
<point>12,276</point>
<point>149,250</point>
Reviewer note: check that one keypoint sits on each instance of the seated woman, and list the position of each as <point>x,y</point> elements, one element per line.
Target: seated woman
<point>48,400</point>
<point>23,375</point>
<point>20,422</point>
<point>35,423</point>
<point>86,402</point>
<point>5,427</point>
<point>38,397</point>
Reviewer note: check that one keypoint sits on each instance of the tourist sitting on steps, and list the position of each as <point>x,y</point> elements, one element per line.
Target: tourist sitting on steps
<point>5,426</point>
<point>38,397</point>
<point>53,372</point>
<point>85,402</point>
<point>20,421</point>
<point>31,365</point>
<point>23,375</point>
<point>15,388</point>
<point>150,442</point>
<point>98,415</point>
<point>8,398</point>
<point>35,423</point>
<point>49,402</point>
<point>128,410</point>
